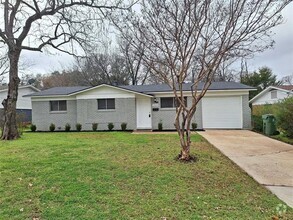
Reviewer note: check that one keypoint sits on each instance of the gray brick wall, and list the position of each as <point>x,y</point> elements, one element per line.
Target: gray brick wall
<point>167,116</point>
<point>246,112</point>
<point>88,113</point>
<point>42,117</point>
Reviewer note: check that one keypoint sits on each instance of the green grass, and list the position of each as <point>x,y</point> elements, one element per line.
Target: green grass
<point>119,175</point>
<point>283,138</point>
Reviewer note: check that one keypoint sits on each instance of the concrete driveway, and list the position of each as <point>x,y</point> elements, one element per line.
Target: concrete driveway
<point>268,161</point>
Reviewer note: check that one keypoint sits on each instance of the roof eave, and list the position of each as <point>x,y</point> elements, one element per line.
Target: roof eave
<point>116,87</point>
<point>209,90</point>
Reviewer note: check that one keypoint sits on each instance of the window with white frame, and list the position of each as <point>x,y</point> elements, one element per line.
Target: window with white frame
<point>274,94</point>
<point>170,102</point>
<point>106,104</point>
<point>57,106</point>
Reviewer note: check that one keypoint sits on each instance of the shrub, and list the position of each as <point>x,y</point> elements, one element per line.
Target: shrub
<point>78,126</point>
<point>194,126</point>
<point>257,123</point>
<point>123,126</point>
<point>67,127</point>
<point>284,116</point>
<point>264,109</point>
<point>52,127</point>
<point>110,126</point>
<point>160,126</point>
<point>33,128</point>
<point>94,126</point>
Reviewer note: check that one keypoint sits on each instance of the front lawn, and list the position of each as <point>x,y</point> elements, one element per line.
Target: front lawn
<point>115,175</point>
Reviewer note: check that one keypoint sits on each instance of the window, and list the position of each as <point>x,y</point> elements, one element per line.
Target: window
<point>56,106</point>
<point>274,94</point>
<point>104,104</point>
<point>170,102</point>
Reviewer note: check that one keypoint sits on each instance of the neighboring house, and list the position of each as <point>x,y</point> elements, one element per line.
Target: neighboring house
<point>23,104</point>
<point>224,106</point>
<point>272,94</point>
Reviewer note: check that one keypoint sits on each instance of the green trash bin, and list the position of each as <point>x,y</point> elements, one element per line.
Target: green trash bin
<point>269,124</point>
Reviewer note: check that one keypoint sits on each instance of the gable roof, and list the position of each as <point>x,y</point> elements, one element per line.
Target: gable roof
<point>140,89</point>
<point>267,90</point>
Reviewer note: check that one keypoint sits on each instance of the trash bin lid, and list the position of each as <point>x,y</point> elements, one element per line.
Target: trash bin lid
<point>266,116</point>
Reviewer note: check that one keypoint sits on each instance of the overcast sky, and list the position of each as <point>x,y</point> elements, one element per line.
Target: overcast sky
<point>279,59</point>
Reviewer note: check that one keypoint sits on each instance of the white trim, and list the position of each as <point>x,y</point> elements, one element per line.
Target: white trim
<point>52,98</point>
<point>58,112</point>
<point>114,87</point>
<point>208,93</point>
<point>241,110</point>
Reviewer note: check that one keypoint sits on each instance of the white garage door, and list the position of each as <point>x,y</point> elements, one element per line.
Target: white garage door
<point>222,112</point>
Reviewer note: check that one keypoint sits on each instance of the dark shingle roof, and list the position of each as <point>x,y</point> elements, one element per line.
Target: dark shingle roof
<point>187,87</point>
<point>146,89</point>
<point>55,91</point>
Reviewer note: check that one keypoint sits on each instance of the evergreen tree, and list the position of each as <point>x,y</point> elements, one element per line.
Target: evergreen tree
<point>260,80</point>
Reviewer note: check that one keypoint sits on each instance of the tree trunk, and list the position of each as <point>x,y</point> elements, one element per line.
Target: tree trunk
<point>185,145</point>
<point>9,131</point>
<point>184,134</point>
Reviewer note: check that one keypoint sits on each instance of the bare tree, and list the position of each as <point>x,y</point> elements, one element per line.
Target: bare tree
<point>31,79</point>
<point>106,68</point>
<point>181,36</point>
<point>35,25</point>
<point>134,60</point>
<point>4,67</point>
<point>56,79</point>
<point>287,80</point>
<point>226,71</point>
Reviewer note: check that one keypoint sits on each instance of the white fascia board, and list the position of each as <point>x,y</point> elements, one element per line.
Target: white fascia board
<point>208,93</point>
<point>51,98</point>
<point>114,87</point>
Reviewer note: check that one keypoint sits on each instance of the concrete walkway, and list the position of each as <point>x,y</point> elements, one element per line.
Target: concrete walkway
<point>268,161</point>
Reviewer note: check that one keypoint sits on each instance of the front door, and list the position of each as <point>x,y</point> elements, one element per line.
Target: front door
<point>143,113</point>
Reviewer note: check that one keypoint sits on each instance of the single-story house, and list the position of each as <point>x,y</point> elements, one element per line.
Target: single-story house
<point>23,104</point>
<point>225,106</point>
<point>272,94</point>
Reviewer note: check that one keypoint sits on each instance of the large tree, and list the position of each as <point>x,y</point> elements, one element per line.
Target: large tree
<point>184,36</point>
<point>138,72</point>
<point>35,25</point>
<point>109,68</point>
<point>260,79</point>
